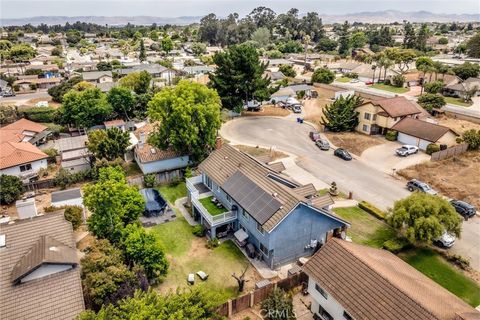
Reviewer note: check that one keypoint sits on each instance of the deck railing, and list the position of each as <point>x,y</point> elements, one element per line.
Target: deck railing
<point>215,219</point>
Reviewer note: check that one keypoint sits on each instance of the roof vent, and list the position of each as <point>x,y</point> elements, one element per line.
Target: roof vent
<point>3,241</point>
<point>153,151</point>
<point>226,157</point>
<point>275,194</point>
<point>53,248</point>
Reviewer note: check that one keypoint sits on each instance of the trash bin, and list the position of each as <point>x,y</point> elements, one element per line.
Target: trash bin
<point>300,120</point>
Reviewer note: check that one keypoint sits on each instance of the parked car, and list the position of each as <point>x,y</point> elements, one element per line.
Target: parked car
<point>368,83</point>
<point>354,81</point>
<point>446,240</point>
<point>314,136</point>
<point>406,150</point>
<point>416,185</point>
<point>342,153</point>
<point>322,144</point>
<point>253,105</point>
<point>297,108</point>
<point>291,101</point>
<point>466,210</point>
<point>9,93</point>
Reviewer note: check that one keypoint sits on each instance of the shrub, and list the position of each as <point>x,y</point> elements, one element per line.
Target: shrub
<point>213,243</point>
<point>457,260</point>
<point>40,114</point>
<point>433,87</point>
<point>432,147</point>
<point>199,230</point>
<point>398,80</point>
<point>323,75</point>
<point>149,180</point>
<point>33,86</point>
<point>396,245</point>
<point>12,188</point>
<point>370,208</point>
<point>51,152</point>
<point>391,135</point>
<point>472,138</point>
<point>352,75</point>
<point>74,215</point>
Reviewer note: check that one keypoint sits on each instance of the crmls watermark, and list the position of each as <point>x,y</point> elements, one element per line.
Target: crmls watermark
<point>278,314</point>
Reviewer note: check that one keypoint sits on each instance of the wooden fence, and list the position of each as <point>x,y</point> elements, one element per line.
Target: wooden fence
<point>449,152</point>
<point>160,178</point>
<point>41,184</point>
<point>256,296</point>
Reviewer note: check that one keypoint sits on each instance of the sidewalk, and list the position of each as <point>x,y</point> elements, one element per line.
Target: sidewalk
<point>179,204</point>
<point>301,175</point>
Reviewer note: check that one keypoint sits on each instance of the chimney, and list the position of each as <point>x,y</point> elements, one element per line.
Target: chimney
<point>218,143</point>
<point>26,208</point>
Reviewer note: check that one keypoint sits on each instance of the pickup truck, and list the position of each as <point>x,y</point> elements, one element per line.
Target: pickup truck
<point>406,150</point>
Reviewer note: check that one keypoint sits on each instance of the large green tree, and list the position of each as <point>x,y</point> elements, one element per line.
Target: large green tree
<point>467,70</point>
<point>11,188</point>
<point>431,101</point>
<point>239,76</point>
<point>278,306</point>
<point>108,144</point>
<point>472,138</point>
<point>344,40</point>
<point>189,114</point>
<point>137,81</point>
<point>423,217</point>
<point>473,46</point>
<point>123,102</point>
<point>85,108</point>
<point>113,203</point>
<point>142,55</point>
<point>341,115</point>
<point>323,75</point>
<point>57,92</point>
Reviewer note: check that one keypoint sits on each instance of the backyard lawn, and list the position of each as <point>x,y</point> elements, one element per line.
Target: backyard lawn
<point>343,79</point>
<point>389,88</point>
<point>365,228</point>
<point>188,254</point>
<point>436,268</point>
<point>212,207</point>
<point>457,101</point>
<point>172,192</point>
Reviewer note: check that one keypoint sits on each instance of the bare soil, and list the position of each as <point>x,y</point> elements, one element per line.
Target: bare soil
<point>457,125</point>
<point>267,111</point>
<point>457,177</point>
<point>314,107</point>
<point>261,152</point>
<point>353,142</point>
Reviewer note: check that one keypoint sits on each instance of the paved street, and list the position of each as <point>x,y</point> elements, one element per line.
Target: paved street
<point>22,98</point>
<point>365,181</point>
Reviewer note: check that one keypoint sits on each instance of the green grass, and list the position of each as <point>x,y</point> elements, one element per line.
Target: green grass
<point>436,268</point>
<point>323,192</point>
<point>212,207</point>
<point>457,101</point>
<point>343,79</point>
<point>389,88</point>
<point>188,254</point>
<point>172,192</point>
<point>133,169</point>
<point>365,228</point>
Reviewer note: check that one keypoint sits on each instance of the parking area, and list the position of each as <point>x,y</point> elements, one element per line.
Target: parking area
<point>383,157</point>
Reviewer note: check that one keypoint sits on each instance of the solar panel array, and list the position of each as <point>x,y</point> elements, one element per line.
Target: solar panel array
<point>256,201</point>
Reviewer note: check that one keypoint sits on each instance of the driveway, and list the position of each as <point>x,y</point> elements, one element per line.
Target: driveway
<point>366,181</point>
<point>383,157</point>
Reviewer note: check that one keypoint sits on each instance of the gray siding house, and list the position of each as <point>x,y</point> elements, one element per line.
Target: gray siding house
<point>282,219</point>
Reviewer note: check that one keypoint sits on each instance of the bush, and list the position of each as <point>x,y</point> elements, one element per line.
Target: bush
<point>352,75</point>
<point>149,180</point>
<point>472,138</point>
<point>457,260</point>
<point>198,230</point>
<point>370,208</point>
<point>51,152</point>
<point>396,245</point>
<point>213,243</point>
<point>74,214</point>
<point>12,188</point>
<point>323,75</point>
<point>432,147</point>
<point>391,135</point>
<point>40,114</point>
<point>33,86</point>
<point>433,87</point>
<point>398,80</point>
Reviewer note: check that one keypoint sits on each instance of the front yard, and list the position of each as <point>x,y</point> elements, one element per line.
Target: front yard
<point>343,79</point>
<point>354,142</point>
<point>457,101</point>
<point>386,87</point>
<point>187,253</point>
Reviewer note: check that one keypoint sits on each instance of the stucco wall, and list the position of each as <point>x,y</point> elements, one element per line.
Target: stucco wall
<point>332,306</point>
<point>15,171</point>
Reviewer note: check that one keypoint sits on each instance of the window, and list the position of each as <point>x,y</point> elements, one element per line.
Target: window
<point>321,291</point>
<point>395,119</point>
<point>208,182</point>
<point>325,315</point>
<point>374,117</point>
<point>245,215</point>
<point>347,316</point>
<point>263,249</point>
<point>25,167</point>
<point>260,228</point>
<point>243,228</point>
<point>365,128</point>
<point>229,199</point>
<point>366,116</point>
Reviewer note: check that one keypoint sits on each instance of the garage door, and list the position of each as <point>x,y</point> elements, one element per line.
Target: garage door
<point>407,139</point>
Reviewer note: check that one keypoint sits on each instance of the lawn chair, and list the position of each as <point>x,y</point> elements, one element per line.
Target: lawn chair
<point>202,275</point>
<point>191,278</point>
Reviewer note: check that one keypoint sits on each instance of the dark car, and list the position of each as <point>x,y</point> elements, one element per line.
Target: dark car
<point>342,153</point>
<point>416,185</point>
<point>322,144</point>
<point>464,209</point>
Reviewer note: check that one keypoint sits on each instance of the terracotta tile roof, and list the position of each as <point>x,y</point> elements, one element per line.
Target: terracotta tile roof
<point>112,123</point>
<point>15,130</point>
<point>223,163</point>
<point>374,284</point>
<point>58,296</point>
<point>16,153</point>
<point>148,153</point>
<point>397,106</point>
<point>421,129</point>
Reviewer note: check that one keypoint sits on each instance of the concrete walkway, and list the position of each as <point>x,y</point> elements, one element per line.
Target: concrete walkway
<point>345,203</point>
<point>179,204</point>
<point>301,175</point>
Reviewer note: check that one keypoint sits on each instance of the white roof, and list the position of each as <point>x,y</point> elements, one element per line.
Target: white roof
<point>241,235</point>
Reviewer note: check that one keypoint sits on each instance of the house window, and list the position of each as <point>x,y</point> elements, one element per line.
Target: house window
<point>243,228</point>
<point>395,119</point>
<point>263,249</point>
<point>208,182</point>
<point>325,315</point>
<point>260,228</point>
<point>347,316</point>
<point>245,215</point>
<point>229,199</point>
<point>365,128</point>
<point>366,116</point>
<point>321,291</point>
<point>374,117</point>
<point>25,167</point>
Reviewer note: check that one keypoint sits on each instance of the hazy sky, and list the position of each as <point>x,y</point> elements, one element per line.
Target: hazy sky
<point>176,8</point>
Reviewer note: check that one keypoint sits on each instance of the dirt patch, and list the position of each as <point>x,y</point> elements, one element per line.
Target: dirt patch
<point>261,152</point>
<point>314,107</point>
<point>455,177</point>
<point>267,111</point>
<point>42,199</point>
<point>354,142</point>
<point>458,125</point>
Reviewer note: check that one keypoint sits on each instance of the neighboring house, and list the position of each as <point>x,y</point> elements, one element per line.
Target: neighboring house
<point>120,124</point>
<point>465,90</point>
<point>352,281</point>
<point>97,76</point>
<point>275,76</point>
<point>40,277</point>
<point>281,219</point>
<point>151,159</point>
<point>37,83</point>
<point>24,130</point>
<point>106,86</point>
<point>74,153</point>
<point>377,116</point>
<point>282,95</point>
<point>4,86</point>
<point>21,159</point>
<point>155,70</point>
<point>198,70</point>
<point>70,197</point>
<point>421,133</point>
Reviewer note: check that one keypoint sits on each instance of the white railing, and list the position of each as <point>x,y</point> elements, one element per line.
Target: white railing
<point>191,182</point>
<point>216,219</point>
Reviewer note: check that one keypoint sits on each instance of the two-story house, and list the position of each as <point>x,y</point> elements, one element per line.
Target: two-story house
<point>377,116</point>
<point>349,281</point>
<point>282,219</point>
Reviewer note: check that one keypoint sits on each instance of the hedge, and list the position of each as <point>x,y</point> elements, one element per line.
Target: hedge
<point>40,114</point>
<point>432,148</point>
<point>396,245</point>
<point>370,208</point>
<point>391,135</point>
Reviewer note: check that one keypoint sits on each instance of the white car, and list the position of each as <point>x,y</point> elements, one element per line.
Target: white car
<point>446,240</point>
<point>406,150</point>
<point>354,81</point>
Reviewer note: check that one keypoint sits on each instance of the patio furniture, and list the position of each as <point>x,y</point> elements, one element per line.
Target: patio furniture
<point>250,249</point>
<point>191,278</point>
<point>241,237</point>
<point>202,275</point>
<point>219,205</point>
<point>214,200</point>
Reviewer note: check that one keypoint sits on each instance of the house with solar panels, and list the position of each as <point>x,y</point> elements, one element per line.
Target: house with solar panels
<point>272,217</point>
